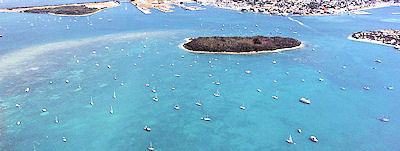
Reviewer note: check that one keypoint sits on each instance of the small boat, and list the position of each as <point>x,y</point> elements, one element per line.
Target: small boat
<point>91,101</point>
<point>242,107</point>
<point>273,62</point>
<point>290,140</point>
<point>64,139</point>
<point>147,128</point>
<point>153,90</point>
<point>378,61</point>
<point>56,120</point>
<point>248,71</point>
<point>17,105</point>
<point>258,90</point>
<point>115,77</point>
<point>313,139</point>
<point>176,107</point>
<point>147,85</point>
<point>109,66</point>
<point>111,110</point>
<point>275,97</point>
<point>342,88</point>
<point>217,94</point>
<point>320,79</point>
<point>383,119</point>
<point>299,130</point>
<point>198,104</point>
<point>18,123</point>
<point>66,81</point>
<point>217,83</point>
<point>114,95</point>
<point>304,100</point>
<point>27,89</point>
<point>389,87</point>
<point>366,88</point>
<point>155,98</point>
<point>44,110</point>
<point>206,118</point>
<point>150,148</point>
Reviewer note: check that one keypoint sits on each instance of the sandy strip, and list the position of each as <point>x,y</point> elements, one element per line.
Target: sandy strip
<point>98,5</point>
<point>379,5</point>
<point>16,61</point>
<point>369,41</point>
<point>252,52</point>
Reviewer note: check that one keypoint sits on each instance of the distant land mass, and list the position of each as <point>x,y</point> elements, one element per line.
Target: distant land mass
<point>386,37</point>
<point>240,45</point>
<point>79,9</point>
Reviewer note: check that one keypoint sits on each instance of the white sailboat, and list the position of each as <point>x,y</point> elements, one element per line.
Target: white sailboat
<point>91,101</point>
<point>290,140</point>
<point>155,98</point>
<point>114,95</point>
<point>151,148</point>
<point>242,107</point>
<point>217,94</point>
<point>56,120</point>
<point>111,110</point>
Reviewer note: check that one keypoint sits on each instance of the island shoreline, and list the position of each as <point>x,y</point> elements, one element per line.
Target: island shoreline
<point>369,41</point>
<point>187,40</point>
<point>96,5</point>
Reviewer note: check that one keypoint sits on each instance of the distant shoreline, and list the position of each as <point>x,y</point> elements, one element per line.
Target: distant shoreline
<point>96,6</point>
<point>369,41</point>
<point>187,40</point>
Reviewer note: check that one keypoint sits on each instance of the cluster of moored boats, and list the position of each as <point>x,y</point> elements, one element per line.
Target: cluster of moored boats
<point>216,94</point>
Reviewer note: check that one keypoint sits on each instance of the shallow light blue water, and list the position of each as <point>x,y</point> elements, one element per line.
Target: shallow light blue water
<point>34,54</point>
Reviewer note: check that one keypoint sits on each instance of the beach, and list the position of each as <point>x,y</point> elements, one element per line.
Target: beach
<point>370,41</point>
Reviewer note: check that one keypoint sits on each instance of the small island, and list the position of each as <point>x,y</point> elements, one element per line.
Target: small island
<point>79,9</point>
<point>386,37</point>
<point>240,45</point>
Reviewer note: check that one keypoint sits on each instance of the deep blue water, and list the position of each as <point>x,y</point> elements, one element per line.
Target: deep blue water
<point>36,49</point>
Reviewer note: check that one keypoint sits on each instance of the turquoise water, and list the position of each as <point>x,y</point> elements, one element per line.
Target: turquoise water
<point>37,49</point>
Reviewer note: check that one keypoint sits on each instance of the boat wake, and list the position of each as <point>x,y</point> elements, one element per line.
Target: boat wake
<point>299,22</point>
